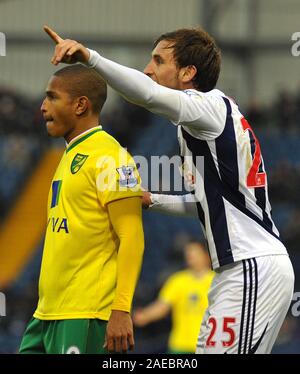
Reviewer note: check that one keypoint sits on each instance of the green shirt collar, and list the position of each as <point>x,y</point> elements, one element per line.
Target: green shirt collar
<point>81,137</point>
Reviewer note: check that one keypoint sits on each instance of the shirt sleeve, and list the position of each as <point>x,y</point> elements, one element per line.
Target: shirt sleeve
<point>181,205</point>
<point>126,218</point>
<point>205,113</point>
<point>117,177</point>
<point>169,292</point>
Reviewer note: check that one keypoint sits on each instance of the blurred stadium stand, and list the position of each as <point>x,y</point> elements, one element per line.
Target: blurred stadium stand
<point>257,64</point>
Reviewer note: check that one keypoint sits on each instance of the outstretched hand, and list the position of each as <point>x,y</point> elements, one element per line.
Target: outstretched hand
<point>139,318</point>
<point>66,50</point>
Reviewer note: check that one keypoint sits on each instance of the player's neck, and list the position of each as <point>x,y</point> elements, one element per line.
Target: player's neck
<point>187,86</point>
<point>82,128</point>
<point>198,273</point>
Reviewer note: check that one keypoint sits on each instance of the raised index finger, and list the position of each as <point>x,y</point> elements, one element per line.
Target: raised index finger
<point>53,35</point>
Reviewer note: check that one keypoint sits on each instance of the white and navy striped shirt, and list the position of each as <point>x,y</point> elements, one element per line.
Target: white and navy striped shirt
<point>231,184</point>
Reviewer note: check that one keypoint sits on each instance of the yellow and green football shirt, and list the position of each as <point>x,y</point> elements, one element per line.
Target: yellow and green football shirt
<point>79,265</point>
<point>187,296</point>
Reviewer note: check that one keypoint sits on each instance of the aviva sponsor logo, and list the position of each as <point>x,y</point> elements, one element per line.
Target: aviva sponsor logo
<point>58,224</point>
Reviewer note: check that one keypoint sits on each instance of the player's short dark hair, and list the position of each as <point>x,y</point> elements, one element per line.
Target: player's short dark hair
<point>82,81</point>
<point>196,47</point>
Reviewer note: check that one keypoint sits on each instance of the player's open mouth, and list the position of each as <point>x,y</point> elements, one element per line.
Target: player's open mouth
<point>48,119</point>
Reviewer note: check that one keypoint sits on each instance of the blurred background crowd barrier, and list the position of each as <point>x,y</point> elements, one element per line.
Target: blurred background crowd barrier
<point>258,71</point>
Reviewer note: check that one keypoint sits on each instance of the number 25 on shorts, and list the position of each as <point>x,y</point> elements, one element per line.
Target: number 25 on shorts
<point>227,332</point>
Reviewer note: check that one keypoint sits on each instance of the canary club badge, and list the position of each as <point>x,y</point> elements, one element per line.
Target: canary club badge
<point>77,162</point>
<point>127,178</point>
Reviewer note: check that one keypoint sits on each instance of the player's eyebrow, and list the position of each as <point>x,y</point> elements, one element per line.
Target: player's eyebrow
<point>50,93</point>
<point>157,57</point>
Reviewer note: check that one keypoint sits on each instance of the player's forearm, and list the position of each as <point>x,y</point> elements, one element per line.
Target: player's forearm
<point>154,312</point>
<point>137,87</point>
<point>129,263</point>
<point>157,311</point>
<point>126,218</point>
<point>182,205</point>
<point>131,83</point>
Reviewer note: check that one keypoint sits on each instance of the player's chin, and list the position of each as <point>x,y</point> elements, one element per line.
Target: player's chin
<point>53,130</point>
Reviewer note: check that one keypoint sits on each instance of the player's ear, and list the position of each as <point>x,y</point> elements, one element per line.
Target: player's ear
<point>188,73</point>
<point>82,105</point>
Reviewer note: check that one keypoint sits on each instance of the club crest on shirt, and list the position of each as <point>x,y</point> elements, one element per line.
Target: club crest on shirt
<point>127,178</point>
<point>77,162</point>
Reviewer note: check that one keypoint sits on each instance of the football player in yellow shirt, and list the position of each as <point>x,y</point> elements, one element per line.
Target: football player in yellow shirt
<point>94,239</point>
<point>185,295</point>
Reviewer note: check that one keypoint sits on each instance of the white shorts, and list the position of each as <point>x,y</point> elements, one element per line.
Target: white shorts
<point>248,302</point>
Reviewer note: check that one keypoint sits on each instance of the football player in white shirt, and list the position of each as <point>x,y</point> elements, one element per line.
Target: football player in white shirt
<point>254,281</point>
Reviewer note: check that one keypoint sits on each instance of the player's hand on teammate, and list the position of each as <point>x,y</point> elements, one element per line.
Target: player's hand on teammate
<point>119,333</point>
<point>146,199</point>
<point>66,50</point>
